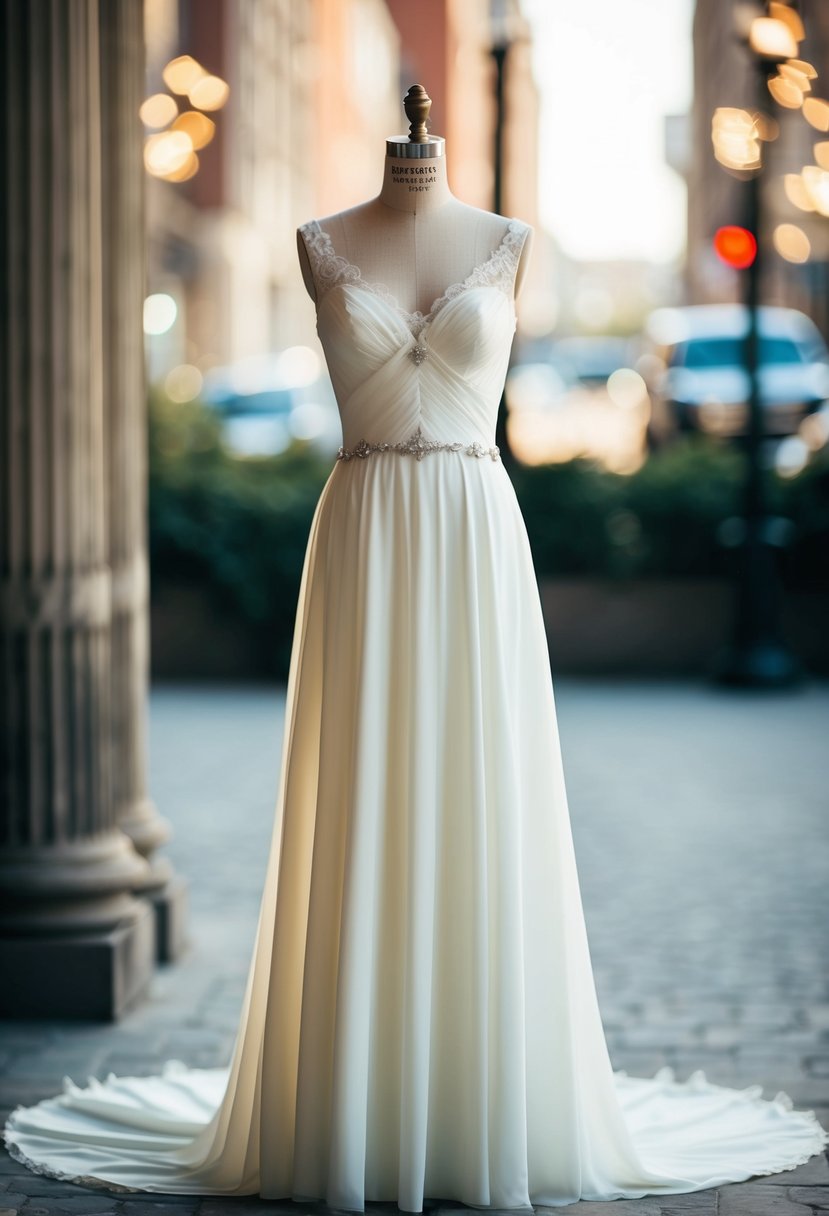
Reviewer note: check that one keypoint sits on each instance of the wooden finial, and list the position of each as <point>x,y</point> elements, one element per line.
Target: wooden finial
<point>417,104</point>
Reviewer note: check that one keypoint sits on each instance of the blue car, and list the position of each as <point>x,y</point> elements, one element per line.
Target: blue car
<point>700,382</point>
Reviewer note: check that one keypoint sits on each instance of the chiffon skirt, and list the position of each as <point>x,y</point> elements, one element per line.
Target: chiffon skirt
<point>420,1017</point>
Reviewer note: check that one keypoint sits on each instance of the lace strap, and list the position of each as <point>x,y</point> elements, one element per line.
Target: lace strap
<point>498,270</point>
<point>327,267</point>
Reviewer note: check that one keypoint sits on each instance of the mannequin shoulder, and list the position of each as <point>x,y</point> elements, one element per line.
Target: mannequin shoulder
<point>495,221</point>
<point>340,222</point>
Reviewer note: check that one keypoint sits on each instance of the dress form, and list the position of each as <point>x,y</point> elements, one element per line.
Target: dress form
<point>415,237</point>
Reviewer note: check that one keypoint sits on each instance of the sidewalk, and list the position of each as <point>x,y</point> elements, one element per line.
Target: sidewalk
<point>701,835</point>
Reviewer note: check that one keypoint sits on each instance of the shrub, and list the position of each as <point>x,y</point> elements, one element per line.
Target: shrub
<point>238,528</point>
<point>661,520</point>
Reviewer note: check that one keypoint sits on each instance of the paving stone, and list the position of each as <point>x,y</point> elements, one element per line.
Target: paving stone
<point>34,1185</point>
<point>722,1036</point>
<point>84,1206</point>
<point>8,1165</point>
<point>171,1200</point>
<point>695,966</point>
<point>625,1207</point>
<point>818,1196</point>
<point>818,1015</point>
<point>146,1206</point>
<point>264,1207</point>
<point>817,1066</point>
<point>753,1199</point>
<point>701,1203</point>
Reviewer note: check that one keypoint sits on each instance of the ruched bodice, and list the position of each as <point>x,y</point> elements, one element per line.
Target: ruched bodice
<point>394,371</point>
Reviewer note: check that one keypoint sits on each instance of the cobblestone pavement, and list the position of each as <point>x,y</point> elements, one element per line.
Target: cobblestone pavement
<point>700,830</point>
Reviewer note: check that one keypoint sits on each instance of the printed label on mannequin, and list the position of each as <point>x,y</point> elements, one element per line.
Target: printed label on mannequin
<point>420,177</point>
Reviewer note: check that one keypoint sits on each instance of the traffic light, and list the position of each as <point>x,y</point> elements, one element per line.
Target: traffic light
<point>736,246</point>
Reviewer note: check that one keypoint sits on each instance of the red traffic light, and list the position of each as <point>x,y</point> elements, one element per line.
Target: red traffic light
<point>736,246</point>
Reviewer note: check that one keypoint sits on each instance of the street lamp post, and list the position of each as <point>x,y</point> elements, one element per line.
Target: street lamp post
<point>499,50</point>
<point>757,654</point>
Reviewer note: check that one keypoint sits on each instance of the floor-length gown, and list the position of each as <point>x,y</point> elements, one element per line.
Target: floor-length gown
<point>420,1018</point>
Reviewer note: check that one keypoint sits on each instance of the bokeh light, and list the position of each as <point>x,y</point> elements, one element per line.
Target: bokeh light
<point>160,312</point>
<point>791,243</point>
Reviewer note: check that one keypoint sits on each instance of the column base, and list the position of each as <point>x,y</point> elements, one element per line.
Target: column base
<point>96,976</point>
<point>169,905</point>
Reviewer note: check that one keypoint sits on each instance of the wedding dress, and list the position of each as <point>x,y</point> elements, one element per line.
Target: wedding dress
<point>420,1017</point>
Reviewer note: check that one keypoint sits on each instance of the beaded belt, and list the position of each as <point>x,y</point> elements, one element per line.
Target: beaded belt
<point>416,445</point>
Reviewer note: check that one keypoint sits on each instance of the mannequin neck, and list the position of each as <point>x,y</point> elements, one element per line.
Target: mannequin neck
<point>415,185</point>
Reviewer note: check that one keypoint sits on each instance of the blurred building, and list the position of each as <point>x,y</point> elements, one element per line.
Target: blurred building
<point>447,47</point>
<point>223,243</point>
<point>316,87</point>
<point>357,102</point>
<point>724,76</point>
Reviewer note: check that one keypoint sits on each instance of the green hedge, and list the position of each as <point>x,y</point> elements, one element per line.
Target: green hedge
<point>238,528</point>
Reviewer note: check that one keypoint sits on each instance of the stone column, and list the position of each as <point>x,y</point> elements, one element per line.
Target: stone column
<point>74,940</point>
<point>125,443</point>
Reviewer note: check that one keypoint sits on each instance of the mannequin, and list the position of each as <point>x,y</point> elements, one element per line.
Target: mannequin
<point>414,222</point>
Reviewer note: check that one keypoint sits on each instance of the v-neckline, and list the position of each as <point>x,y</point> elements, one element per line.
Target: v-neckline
<point>416,318</point>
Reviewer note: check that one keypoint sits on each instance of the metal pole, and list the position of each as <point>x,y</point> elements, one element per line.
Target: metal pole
<point>499,53</point>
<point>757,655</point>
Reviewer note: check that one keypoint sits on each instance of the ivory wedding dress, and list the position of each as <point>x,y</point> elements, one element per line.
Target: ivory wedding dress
<point>420,1017</point>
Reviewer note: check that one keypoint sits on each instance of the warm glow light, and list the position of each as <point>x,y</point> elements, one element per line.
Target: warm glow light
<point>789,17</point>
<point>791,243</point>
<point>821,151</point>
<point>209,93</point>
<point>589,425</point>
<point>796,192</point>
<point>772,37</point>
<point>184,171</point>
<point>814,429</point>
<point>785,92</point>
<point>795,75</point>
<point>626,388</point>
<point>199,127</point>
<point>816,113</point>
<point>160,313</point>
<point>736,246</point>
<point>167,152</point>
<point>802,65</point>
<point>768,128</point>
<point>158,110</point>
<point>181,74</point>
<point>183,383</point>
<point>733,119</point>
<point>735,136</point>
<point>298,365</point>
<point>816,181</point>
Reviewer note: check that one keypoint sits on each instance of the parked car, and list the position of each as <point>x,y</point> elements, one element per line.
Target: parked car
<point>699,381</point>
<point>266,401</point>
<point>594,357</point>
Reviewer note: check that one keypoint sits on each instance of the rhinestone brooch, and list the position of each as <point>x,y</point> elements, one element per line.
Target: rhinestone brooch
<point>418,353</point>
<point>416,445</point>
